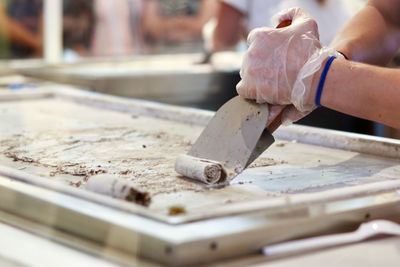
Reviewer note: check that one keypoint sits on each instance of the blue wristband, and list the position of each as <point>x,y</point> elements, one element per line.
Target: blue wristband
<point>321,83</point>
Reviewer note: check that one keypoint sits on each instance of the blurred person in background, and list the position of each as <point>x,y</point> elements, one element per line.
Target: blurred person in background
<point>20,28</point>
<point>78,26</point>
<point>117,30</point>
<point>4,35</point>
<point>236,18</point>
<point>176,22</point>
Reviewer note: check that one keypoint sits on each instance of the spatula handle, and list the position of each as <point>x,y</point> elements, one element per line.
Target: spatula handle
<point>284,23</point>
<point>276,122</point>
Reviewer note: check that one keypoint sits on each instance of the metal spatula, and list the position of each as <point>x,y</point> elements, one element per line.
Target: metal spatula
<point>364,231</point>
<point>232,140</point>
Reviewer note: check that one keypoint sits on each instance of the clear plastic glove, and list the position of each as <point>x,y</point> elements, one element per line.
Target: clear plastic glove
<point>280,64</point>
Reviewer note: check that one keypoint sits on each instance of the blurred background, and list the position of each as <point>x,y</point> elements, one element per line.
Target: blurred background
<point>183,52</point>
<point>103,28</point>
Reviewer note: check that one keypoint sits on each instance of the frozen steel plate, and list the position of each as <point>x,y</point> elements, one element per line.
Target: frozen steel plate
<point>56,138</point>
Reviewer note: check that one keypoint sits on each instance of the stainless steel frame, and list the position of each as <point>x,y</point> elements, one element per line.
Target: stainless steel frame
<point>10,67</point>
<point>96,228</point>
<point>97,223</point>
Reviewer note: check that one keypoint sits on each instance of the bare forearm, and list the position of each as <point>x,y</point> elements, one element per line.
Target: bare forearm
<point>228,30</point>
<point>152,23</point>
<point>19,34</point>
<point>16,32</point>
<point>191,26</point>
<point>364,91</point>
<point>373,35</point>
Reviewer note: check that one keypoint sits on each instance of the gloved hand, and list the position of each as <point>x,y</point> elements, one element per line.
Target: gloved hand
<point>280,64</point>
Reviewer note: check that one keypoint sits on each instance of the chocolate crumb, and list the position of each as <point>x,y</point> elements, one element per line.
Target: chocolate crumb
<point>125,172</point>
<point>176,210</point>
<point>138,197</point>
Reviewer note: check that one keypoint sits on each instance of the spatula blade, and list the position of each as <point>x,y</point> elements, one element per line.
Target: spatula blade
<point>232,135</point>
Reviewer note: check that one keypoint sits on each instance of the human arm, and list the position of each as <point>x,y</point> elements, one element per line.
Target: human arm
<point>229,28</point>
<point>279,69</point>
<point>17,33</point>
<point>176,28</point>
<point>364,91</point>
<point>190,27</point>
<point>373,35</point>
<point>152,21</point>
